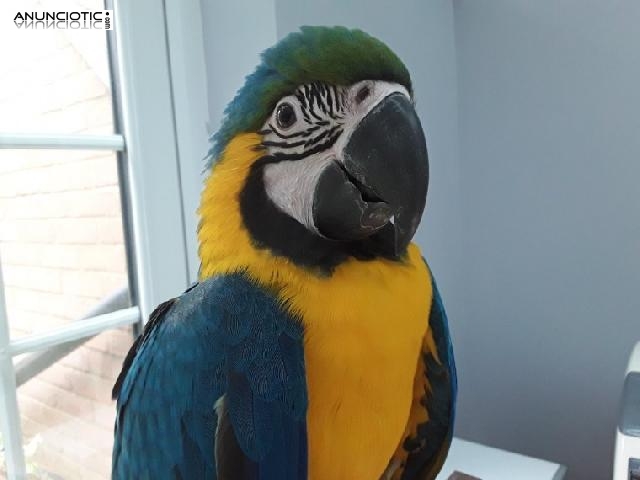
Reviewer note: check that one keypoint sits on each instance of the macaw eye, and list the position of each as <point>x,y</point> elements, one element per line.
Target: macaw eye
<point>362,94</point>
<point>285,115</point>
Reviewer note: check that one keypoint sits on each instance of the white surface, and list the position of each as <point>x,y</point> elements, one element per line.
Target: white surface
<point>626,447</point>
<point>74,331</point>
<point>489,463</point>
<point>66,142</point>
<point>634,360</point>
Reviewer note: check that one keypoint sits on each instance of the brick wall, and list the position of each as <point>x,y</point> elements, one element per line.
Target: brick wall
<point>61,245</point>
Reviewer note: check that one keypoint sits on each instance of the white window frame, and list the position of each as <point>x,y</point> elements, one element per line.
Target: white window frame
<point>164,112</point>
<point>190,102</point>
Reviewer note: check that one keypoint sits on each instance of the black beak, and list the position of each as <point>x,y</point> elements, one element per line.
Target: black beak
<point>379,189</point>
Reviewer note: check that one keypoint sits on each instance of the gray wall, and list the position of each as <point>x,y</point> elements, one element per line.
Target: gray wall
<point>235,32</point>
<point>549,110</point>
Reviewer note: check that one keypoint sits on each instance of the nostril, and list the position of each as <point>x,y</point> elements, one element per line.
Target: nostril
<point>362,94</point>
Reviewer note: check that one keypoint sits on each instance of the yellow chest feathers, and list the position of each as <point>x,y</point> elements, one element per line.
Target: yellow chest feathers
<point>363,332</point>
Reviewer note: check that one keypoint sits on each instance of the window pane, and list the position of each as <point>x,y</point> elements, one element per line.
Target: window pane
<point>61,237</point>
<point>67,413</point>
<point>53,80</point>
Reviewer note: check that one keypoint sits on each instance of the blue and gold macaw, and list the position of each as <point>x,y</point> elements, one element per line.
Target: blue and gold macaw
<point>315,345</point>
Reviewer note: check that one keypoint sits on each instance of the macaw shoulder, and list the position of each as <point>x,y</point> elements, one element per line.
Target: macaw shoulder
<point>222,311</point>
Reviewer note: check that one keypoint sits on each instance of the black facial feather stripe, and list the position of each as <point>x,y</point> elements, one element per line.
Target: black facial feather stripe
<point>316,149</point>
<point>317,97</point>
<point>302,98</point>
<point>326,133</point>
<point>267,143</point>
<point>304,133</point>
<point>312,111</point>
<point>336,98</point>
<point>329,99</point>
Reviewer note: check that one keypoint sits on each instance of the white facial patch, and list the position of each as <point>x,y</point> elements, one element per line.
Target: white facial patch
<point>325,117</point>
<point>291,185</point>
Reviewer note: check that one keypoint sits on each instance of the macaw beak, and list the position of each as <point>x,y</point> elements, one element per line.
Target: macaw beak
<point>378,188</point>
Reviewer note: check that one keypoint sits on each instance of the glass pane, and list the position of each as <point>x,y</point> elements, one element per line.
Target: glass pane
<point>61,238</point>
<point>67,413</point>
<point>53,80</point>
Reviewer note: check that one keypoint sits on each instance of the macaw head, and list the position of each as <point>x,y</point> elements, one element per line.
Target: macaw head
<point>321,156</point>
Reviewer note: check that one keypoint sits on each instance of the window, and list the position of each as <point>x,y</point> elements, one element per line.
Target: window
<point>92,230</point>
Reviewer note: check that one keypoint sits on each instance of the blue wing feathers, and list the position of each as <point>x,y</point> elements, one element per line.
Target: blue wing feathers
<point>226,336</point>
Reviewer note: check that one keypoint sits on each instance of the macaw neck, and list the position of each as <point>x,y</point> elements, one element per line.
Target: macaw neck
<point>242,230</point>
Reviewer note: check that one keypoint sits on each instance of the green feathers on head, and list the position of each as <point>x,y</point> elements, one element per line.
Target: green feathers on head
<point>334,55</point>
